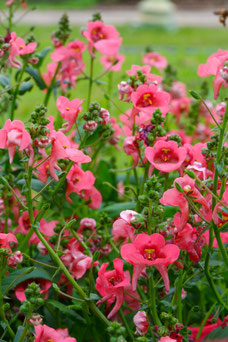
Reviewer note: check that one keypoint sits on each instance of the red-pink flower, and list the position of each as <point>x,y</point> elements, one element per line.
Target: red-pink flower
<point>148,98</point>
<point>140,320</point>
<point>122,229</point>
<point>131,148</point>
<point>175,198</point>
<point>99,35</point>
<point>43,284</point>
<point>19,48</point>
<point>15,259</point>
<point>77,262</point>
<point>14,134</point>
<point>110,285</point>
<point>112,62</point>
<point>165,156</point>
<point>6,240</point>
<point>48,76</point>
<point>44,333</point>
<point>62,149</point>
<point>167,339</point>
<point>72,51</point>
<point>156,60</point>
<point>219,216</point>
<point>87,224</point>
<point>150,250</point>
<point>146,71</point>
<point>215,66</point>
<point>69,111</point>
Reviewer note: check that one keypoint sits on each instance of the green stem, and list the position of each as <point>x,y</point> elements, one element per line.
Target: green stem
<point>13,105</point>
<point>90,81</point>
<point>215,184</point>
<point>152,296</point>
<point>126,325</point>
<point>209,111</point>
<point>48,93</point>
<point>149,228</point>
<point>136,179</point>
<point>178,295</point>
<point>24,333</point>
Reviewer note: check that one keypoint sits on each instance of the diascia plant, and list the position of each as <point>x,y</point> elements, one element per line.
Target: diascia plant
<point>91,251</point>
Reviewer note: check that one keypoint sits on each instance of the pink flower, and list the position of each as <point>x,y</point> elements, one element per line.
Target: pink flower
<point>6,240</point>
<point>44,333</point>
<point>156,60</point>
<point>24,223</point>
<point>48,76</point>
<point>79,180</point>
<point>219,216</point>
<point>178,90</point>
<point>19,48</point>
<point>110,285</point>
<point>165,156</point>
<point>148,98</point>
<point>112,62</point>
<point>175,198</point>
<point>187,239</point>
<point>69,111</point>
<point>215,66</point>
<point>150,250</point>
<point>72,51</point>
<point>43,283</point>
<point>15,259</point>
<point>150,78</point>
<point>62,149</point>
<point>87,224</point>
<point>140,320</point>
<point>105,116</point>
<point>130,147</point>
<point>99,35</point>
<point>122,229</point>
<point>124,89</point>
<point>13,134</point>
<point>77,262</point>
<point>167,339</point>
<point>65,335</point>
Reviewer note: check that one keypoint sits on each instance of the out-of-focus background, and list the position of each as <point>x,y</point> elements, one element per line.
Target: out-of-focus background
<point>186,32</point>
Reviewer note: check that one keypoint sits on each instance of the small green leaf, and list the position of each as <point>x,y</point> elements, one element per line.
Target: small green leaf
<point>36,76</point>
<point>37,273</point>
<point>64,309</point>
<point>94,137</point>
<point>24,87</point>
<point>20,330</point>
<point>114,209</point>
<point>4,81</point>
<point>42,54</point>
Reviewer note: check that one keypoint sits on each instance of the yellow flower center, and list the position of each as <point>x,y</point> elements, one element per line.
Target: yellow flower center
<point>65,146</point>
<point>149,252</point>
<point>187,188</point>
<point>67,108</point>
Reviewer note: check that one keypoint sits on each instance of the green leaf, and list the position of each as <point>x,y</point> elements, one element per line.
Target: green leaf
<point>94,137</point>
<point>104,175</point>
<point>64,309</point>
<point>224,228</point>
<point>35,184</point>
<point>20,330</point>
<point>218,333</point>
<point>114,209</point>
<point>42,54</point>
<point>4,81</point>
<point>36,76</point>
<point>24,87</point>
<point>37,273</point>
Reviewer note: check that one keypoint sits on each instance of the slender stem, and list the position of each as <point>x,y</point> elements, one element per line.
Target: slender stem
<point>209,111</point>
<point>215,184</point>
<point>152,296</point>
<point>110,240</point>
<point>90,81</point>
<point>149,227</point>
<point>129,331</point>
<point>44,188</point>
<point>62,179</point>
<point>44,160</point>
<point>210,192</point>
<point>136,179</point>
<point>13,105</point>
<point>82,243</point>
<point>48,93</point>
<point>178,295</point>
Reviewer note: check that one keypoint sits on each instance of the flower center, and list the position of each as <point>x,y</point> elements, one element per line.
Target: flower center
<point>21,47</point>
<point>225,217</point>
<point>149,253</point>
<point>67,108</point>
<point>187,188</point>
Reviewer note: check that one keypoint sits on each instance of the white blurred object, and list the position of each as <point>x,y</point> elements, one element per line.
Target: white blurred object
<point>161,13</point>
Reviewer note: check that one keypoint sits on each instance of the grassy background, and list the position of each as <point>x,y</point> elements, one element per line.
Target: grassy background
<point>184,49</point>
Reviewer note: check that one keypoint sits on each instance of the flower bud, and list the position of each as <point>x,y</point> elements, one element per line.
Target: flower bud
<point>15,259</point>
<point>141,323</point>
<point>36,319</point>
<point>90,126</point>
<point>224,73</point>
<point>105,115</point>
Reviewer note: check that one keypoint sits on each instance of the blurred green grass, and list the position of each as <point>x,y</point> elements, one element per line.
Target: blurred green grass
<point>58,4</point>
<point>185,49</point>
